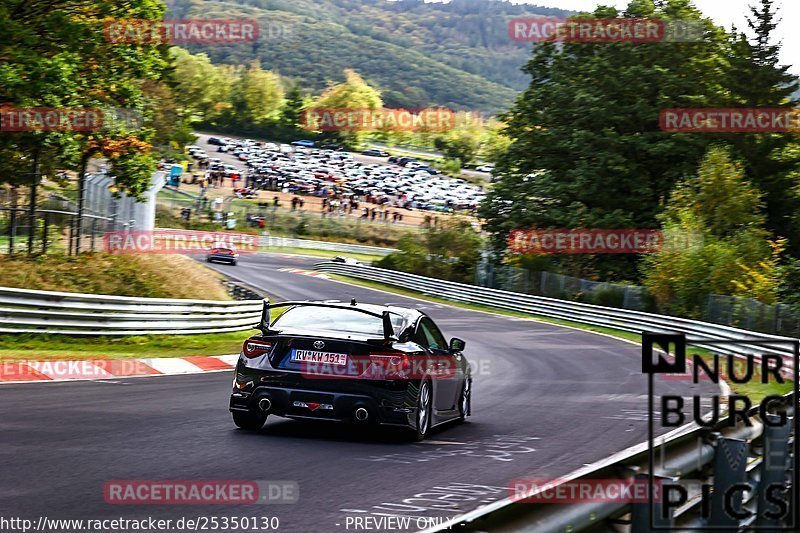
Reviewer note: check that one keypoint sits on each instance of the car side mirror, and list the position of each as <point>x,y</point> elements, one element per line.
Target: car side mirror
<point>457,345</point>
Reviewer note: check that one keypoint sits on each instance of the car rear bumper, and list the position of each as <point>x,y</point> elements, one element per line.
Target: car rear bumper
<point>291,395</point>
<point>222,258</point>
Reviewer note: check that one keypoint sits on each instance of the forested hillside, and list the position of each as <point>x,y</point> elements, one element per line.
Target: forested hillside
<point>456,54</point>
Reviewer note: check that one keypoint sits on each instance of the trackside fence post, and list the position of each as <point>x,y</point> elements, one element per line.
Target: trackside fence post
<point>730,469</point>
<point>774,468</point>
<point>641,520</point>
<point>44,232</point>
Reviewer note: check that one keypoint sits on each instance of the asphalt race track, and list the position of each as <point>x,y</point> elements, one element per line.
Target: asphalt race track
<point>546,401</point>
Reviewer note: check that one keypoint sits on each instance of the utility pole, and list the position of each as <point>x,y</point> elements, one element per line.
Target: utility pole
<point>81,200</point>
<point>32,204</point>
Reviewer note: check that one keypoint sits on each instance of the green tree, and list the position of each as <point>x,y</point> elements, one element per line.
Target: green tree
<point>586,147</point>
<point>200,87</point>
<point>757,79</point>
<point>56,53</point>
<point>448,250</point>
<point>352,94</point>
<point>263,94</point>
<point>292,111</point>
<point>715,241</point>
<point>462,142</point>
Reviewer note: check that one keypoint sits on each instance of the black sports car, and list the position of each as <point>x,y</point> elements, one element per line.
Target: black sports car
<point>358,363</point>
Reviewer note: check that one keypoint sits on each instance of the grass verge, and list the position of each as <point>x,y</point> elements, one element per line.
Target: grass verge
<point>162,276</point>
<point>145,276</point>
<point>24,347</point>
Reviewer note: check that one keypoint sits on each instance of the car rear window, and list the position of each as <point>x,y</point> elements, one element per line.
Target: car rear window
<point>334,319</point>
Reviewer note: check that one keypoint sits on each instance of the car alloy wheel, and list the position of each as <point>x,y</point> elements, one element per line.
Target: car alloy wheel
<point>464,403</point>
<point>423,411</point>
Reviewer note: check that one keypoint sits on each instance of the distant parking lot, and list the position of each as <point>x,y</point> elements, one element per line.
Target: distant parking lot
<point>270,166</point>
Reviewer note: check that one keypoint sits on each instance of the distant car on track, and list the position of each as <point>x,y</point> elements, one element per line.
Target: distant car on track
<point>346,260</point>
<point>223,253</point>
<point>358,363</point>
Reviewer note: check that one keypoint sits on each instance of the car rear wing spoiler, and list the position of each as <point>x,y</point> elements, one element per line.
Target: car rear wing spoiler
<point>263,325</point>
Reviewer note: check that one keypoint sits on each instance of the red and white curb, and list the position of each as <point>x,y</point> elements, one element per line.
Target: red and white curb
<point>49,371</point>
<point>304,272</point>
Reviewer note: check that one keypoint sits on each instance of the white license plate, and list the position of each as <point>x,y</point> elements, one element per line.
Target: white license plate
<point>310,356</point>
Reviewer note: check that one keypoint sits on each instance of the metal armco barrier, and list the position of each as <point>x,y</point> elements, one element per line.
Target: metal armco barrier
<point>698,456</point>
<point>595,315</point>
<point>32,311</point>
<point>717,457</point>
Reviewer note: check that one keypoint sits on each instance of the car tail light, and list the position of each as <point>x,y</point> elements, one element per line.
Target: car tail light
<point>391,365</point>
<point>253,348</point>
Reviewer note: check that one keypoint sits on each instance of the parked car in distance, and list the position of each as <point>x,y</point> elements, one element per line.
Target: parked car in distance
<point>485,168</point>
<point>305,143</point>
<point>374,152</point>
<point>214,141</point>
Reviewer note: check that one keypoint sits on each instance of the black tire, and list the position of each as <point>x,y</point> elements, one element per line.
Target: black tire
<point>249,421</point>
<point>465,400</point>
<point>424,412</point>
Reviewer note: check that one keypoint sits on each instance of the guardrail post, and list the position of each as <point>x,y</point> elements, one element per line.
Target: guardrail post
<point>12,227</point>
<point>71,236</point>
<point>774,468</point>
<point>44,233</point>
<point>730,463</point>
<point>640,511</point>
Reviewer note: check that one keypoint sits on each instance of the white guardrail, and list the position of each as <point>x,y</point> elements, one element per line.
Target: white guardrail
<point>285,242</point>
<point>32,311</point>
<point>595,315</point>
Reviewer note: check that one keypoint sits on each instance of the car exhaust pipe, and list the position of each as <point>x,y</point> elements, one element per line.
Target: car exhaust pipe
<point>362,414</point>
<point>265,404</point>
